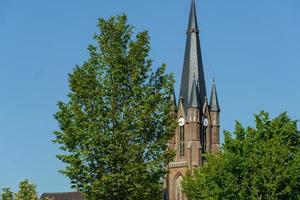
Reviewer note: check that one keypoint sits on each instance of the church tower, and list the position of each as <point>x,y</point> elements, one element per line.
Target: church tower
<point>198,120</point>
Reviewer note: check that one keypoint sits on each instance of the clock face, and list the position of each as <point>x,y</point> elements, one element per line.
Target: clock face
<point>181,121</point>
<point>205,122</point>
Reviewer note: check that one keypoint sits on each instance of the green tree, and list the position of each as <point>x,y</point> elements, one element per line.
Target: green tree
<point>27,191</point>
<point>115,126</point>
<point>256,163</point>
<point>7,194</point>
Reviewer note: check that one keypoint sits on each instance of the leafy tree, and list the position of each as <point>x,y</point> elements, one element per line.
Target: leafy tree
<point>27,191</point>
<point>116,123</point>
<point>7,194</point>
<point>256,163</point>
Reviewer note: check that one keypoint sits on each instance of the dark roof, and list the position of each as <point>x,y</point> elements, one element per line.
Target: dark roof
<point>63,196</point>
<point>173,98</point>
<point>193,18</point>
<point>214,103</point>
<point>192,65</point>
<point>194,98</point>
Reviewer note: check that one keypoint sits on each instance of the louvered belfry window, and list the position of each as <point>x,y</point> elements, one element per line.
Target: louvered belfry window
<point>181,140</point>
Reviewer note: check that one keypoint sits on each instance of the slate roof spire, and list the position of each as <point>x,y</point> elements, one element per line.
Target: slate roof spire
<point>214,103</point>
<point>193,17</point>
<point>192,65</point>
<point>194,98</point>
<point>173,99</point>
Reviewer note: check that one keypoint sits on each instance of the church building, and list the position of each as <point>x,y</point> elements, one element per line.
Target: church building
<point>198,129</point>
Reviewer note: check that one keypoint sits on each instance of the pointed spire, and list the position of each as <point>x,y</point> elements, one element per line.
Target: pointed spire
<point>181,111</point>
<point>214,103</point>
<point>205,106</point>
<point>192,66</point>
<point>194,98</point>
<point>193,26</point>
<point>173,99</point>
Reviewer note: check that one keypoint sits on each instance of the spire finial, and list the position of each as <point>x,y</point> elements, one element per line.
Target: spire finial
<point>181,99</point>
<point>193,26</point>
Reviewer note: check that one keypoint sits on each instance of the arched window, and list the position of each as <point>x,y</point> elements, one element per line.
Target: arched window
<point>178,191</point>
<point>181,141</point>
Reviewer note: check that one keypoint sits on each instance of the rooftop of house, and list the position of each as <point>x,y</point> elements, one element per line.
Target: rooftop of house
<point>62,196</point>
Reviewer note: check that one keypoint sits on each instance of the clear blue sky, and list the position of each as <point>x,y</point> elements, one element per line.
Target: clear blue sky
<point>251,47</point>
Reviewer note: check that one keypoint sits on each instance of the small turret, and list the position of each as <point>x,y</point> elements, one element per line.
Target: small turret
<point>173,101</point>
<point>214,103</point>
<point>194,101</point>
<point>173,112</point>
<point>215,119</point>
<point>194,105</point>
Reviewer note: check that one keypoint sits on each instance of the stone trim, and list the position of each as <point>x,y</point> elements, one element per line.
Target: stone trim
<point>178,164</point>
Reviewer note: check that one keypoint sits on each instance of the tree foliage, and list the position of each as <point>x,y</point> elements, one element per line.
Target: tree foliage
<point>7,194</point>
<point>256,163</point>
<point>27,191</point>
<point>116,123</point>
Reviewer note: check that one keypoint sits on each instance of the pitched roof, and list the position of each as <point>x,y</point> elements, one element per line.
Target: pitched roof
<point>214,102</point>
<point>192,65</point>
<point>194,98</point>
<point>173,99</point>
<point>63,196</point>
<point>193,18</point>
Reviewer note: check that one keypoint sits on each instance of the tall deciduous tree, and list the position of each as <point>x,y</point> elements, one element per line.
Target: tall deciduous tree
<point>256,163</point>
<point>115,126</point>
